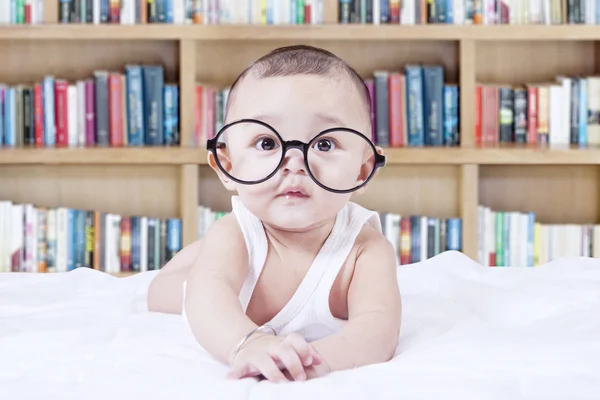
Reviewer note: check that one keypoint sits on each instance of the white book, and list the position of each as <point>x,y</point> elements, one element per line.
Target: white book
<point>178,12</point>
<point>5,234</point>
<point>72,106</point>
<point>5,12</point>
<point>81,117</point>
<point>376,12</point>
<point>423,243</point>
<point>17,248</point>
<point>143,244</point>
<point>61,239</point>
<point>459,11</point>
<point>96,12</point>
<point>115,262</point>
<point>555,114</point>
<point>565,131</point>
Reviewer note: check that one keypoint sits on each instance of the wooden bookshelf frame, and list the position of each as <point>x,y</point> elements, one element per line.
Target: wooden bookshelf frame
<point>463,164</point>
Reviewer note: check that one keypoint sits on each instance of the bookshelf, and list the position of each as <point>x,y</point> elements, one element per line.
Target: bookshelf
<point>560,184</point>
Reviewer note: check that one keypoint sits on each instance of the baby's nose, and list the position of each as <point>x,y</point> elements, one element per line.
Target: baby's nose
<point>294,161</point>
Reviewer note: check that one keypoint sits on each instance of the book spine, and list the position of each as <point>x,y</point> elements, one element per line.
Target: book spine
<point>90,112</point>
<point>451,117</point>
<point>102,113</point>
<point>28,117</point>
<point>395,105</point>
<point>38,115</point>
<point>414,104</point>
<point>88,259</point>
<point>506,114</point>
<point>135,105</point>
<point>532,115</point>
<point>433,83</point>
<point>115,110</point>
<point>49,112</point>
<point>153,78</point>
<point>61,112</point>
<point>574,105</point>
<point>583,110</point>
<point>381,104</point>
<point>520,115</point>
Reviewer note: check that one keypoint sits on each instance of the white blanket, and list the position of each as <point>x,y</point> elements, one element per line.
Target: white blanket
<point>468,332</point>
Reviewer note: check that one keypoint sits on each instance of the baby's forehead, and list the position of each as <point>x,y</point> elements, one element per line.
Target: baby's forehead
<point>324,100</point>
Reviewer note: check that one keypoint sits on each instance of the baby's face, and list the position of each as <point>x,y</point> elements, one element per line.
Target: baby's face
<point>298,108</point>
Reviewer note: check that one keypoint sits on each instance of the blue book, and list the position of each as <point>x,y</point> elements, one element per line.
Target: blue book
<point>136,256</point>
<point>451,116</point>
<point>10,128</point>
<point>583,111</point>
<point>174,242</point>
<point>49,122</point>
<point>153,82</point>
<point>530,238</point>
<point>454,234</point>
<point>2,89</point>
<point>433,87</point>
<point>414,101</point>
<point>171,119</point>
<point>71,238</point>
<point>135,105</point>
<point>168,11</point>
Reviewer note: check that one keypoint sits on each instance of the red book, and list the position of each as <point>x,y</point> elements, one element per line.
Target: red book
<point>61,112</point>
<point>198,132</point>
<point>115,109</point>
<point>489,114</point>
<point>307,14</point>
<point>38,115</point>
<point>532,122</point>
<point>478,110</point>
<point>395,105</point>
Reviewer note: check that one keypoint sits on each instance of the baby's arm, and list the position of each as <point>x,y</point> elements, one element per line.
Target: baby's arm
<point>374,307</point>
<point>214,281</point>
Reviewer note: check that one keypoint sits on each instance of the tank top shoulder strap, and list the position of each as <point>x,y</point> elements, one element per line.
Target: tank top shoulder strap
<point>256,245</point>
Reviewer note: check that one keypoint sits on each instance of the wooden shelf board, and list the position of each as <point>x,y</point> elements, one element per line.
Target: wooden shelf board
<point>108,155</point>
<point>353,32</point>
<point>512,155</point>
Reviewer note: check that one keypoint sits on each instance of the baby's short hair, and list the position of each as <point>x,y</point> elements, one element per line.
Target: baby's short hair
<point>303,60</point>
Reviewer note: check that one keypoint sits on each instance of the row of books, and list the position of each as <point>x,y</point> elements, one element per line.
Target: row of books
<point>417,237</point>
<point>256,12</point>
<point>20,12</point>
<point>61,239</point>
<point>564,112</point>
<point>517,239</point>
<point>409,108</point>
<point>414,237</point>
<point>111,108</point>
<point>469,12</point>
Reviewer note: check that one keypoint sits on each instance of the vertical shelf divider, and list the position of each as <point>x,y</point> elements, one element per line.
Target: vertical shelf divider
<point>469,201</point>
<point>187,83</point>
<point>188,203</point>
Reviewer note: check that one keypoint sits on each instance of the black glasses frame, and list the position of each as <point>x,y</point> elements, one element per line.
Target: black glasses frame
<point>212,146</point>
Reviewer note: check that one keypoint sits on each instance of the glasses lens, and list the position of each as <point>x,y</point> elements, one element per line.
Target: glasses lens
<point>248,151</point>
<point>341,160</point>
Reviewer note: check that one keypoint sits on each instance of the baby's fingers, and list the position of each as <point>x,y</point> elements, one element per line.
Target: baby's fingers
<point>290,361</point>
<point>301,347</point>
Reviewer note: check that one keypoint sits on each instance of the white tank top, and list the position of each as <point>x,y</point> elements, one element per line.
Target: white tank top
<point>307,312</point>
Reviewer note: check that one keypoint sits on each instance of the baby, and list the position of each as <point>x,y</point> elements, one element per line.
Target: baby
<point>297,281</point>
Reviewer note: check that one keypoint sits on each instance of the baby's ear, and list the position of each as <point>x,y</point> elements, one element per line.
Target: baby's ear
<point>366,169</point>
<point>226,164</point>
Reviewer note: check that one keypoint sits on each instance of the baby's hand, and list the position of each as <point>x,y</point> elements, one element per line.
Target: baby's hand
<point>277,359</point>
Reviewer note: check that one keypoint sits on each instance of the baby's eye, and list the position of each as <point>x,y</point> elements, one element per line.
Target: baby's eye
<point>324,145</point>
<point>266,144</point>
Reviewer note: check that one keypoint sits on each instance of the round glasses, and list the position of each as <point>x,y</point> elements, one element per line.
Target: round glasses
<point>340,160</point>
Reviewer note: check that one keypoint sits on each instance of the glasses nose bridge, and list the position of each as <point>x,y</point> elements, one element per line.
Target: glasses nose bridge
<point>295,144</point>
